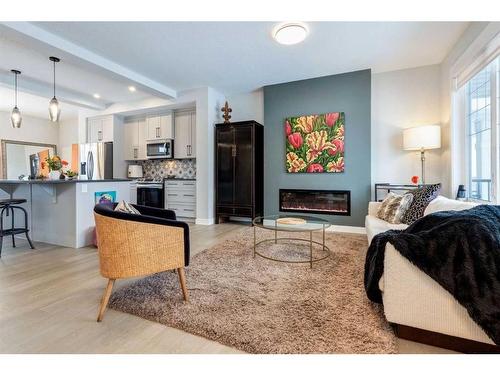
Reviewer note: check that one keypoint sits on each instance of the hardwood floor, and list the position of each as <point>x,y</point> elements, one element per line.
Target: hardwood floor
<point>49,299</point>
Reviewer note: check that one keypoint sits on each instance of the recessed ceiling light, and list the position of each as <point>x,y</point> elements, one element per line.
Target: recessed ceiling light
<point>131,88</point>
<point>290,33</point>
<point>97,96</point>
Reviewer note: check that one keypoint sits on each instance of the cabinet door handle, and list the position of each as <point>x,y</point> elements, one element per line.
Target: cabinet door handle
<point>99,135</point>
<point>172,195</point>
<point>188,195</point>
<point>135,153</point>
<point>188,209</point>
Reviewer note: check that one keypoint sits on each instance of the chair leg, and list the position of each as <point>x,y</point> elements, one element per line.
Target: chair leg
<point>105,299</point>
<point>29,240</point>
<point>13,223</point>
<point>182,279</point>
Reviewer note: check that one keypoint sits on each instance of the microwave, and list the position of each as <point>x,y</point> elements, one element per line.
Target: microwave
<point>163,149</point>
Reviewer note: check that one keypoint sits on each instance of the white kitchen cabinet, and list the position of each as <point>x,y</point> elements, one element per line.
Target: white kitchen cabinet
<point>159,127</point>
<point>100,129</point>
<point>133,192</point>
<point>180,197</point>
<point>135,140</point>
<point>185,135</point>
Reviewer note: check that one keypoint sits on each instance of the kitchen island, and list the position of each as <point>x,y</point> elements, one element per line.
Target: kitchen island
<point>61,211</point>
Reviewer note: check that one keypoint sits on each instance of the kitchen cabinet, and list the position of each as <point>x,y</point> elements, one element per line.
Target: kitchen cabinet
<point>180,197</point>
<point>100,129</point>
<point>159,127</point>
<point>135,140</point>
<point>185,135</point>
<point>133,192</point>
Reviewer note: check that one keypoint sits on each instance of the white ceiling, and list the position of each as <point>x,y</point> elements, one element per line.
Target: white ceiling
<point>232,57</point>
<point>242,56</point>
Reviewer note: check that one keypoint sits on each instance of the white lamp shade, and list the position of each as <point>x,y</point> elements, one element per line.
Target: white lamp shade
<point>422,137</point>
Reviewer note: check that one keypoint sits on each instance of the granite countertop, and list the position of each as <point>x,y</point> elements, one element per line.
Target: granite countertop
<point>47,181</point>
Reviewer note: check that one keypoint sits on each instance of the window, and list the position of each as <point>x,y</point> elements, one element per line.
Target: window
<point>482,105</point>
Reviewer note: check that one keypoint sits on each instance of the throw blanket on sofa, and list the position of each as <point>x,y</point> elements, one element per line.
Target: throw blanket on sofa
<point>460,250</point>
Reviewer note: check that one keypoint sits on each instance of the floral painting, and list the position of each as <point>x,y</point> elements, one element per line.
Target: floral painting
<point>315,143</point>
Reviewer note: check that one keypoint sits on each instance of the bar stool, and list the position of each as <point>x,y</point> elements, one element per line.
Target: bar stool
<point>8,206</point>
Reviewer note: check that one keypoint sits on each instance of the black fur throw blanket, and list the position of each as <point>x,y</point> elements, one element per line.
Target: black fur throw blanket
<point>460,250</point>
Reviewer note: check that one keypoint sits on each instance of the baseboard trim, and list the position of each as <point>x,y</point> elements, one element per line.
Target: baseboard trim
<point>441,340</point>
<point>346,229</point>
<point>205,221</point>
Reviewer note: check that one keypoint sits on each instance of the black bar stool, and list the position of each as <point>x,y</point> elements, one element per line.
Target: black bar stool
<point>8,206</point>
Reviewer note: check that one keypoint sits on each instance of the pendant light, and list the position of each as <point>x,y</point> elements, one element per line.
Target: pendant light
<point>15,117</point>
<point>54,108</point>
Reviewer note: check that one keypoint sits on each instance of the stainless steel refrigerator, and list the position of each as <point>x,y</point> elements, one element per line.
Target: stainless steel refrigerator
<point>95,160</point>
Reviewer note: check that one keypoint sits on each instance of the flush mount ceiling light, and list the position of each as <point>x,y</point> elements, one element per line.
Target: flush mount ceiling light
<point>290,33</point>
<point>54,108</point>
<point>15,117</point>
<point>131,88</point>
<point>97,96</point>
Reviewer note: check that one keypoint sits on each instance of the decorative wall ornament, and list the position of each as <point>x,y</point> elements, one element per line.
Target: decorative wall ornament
<point>227,112</point>
<point>315,143</point>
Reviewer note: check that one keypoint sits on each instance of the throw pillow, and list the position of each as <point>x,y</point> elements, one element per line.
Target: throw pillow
<point>421,199</point>
<point>394,207</point>
<point>127,208</point>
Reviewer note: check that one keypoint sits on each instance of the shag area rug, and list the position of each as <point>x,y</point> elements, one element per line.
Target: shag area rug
<point>261,306</point>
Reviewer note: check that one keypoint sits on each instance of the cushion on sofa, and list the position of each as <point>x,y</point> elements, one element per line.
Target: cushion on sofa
<point>445,204</point>
<point>421,199</point>
<point>394,207</point>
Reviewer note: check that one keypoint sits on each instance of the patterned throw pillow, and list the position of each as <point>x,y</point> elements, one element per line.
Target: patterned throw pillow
<point>421,199</point>
<point>127,208</point>
<point>394,207</point>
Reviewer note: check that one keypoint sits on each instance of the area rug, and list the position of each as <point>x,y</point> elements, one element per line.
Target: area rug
<point>262,306</point>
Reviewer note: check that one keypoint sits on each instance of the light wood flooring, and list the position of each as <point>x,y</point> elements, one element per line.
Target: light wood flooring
<point>49,299</point>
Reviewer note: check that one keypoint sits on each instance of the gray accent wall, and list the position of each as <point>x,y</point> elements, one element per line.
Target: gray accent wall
<point>349,93</point>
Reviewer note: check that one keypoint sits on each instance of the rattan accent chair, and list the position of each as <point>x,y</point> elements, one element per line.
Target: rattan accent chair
<point>138,245</point>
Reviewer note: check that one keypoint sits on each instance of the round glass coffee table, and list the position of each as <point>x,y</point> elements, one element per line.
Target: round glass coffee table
<point>294,224</point>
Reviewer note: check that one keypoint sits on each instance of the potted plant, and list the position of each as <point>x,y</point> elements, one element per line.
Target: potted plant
<point>55,164</point>
<point>70,175</point>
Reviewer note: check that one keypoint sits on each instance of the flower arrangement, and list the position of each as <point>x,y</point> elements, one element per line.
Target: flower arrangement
<point>315,143</point>
<point>55,163</point>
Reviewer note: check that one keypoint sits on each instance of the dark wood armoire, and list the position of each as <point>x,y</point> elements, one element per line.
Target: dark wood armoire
<point>239,170</point>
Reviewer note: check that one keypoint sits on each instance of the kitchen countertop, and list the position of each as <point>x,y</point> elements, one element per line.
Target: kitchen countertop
<point>47,181</point>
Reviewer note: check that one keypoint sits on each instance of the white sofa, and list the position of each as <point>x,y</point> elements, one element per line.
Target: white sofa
<point>412,298</point>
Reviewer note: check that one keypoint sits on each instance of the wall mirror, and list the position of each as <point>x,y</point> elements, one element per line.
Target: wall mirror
<point>21,159</point>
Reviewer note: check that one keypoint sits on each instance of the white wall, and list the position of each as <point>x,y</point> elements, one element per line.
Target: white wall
<point>68,134</point>
<point>403,99</point>
<point>32,129</point>
<point>247,106</point>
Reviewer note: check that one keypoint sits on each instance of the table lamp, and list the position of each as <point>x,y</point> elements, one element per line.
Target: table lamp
<point>422,138</point>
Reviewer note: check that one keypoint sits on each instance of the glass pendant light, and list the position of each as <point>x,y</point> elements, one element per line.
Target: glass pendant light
<point>54,108</point>
<point>15,117</point>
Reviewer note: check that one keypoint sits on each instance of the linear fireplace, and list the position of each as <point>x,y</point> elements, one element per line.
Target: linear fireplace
<point>327,202</point>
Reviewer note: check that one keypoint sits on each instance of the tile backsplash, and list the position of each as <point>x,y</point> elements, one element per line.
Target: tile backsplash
<point>161,168</point>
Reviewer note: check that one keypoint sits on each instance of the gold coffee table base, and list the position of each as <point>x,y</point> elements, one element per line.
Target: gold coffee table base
<point>310,241</point>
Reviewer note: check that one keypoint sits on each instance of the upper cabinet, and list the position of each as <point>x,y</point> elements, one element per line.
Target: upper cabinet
<point>185,135</point>
<point>159,127</point>
<point>100,129</point>
<point>134,140</point>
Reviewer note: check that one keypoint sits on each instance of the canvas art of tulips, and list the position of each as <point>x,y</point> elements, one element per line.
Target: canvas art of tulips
<point>315,143</point>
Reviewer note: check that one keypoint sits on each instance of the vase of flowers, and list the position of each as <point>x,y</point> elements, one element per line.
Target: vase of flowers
<point>55,164</point>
